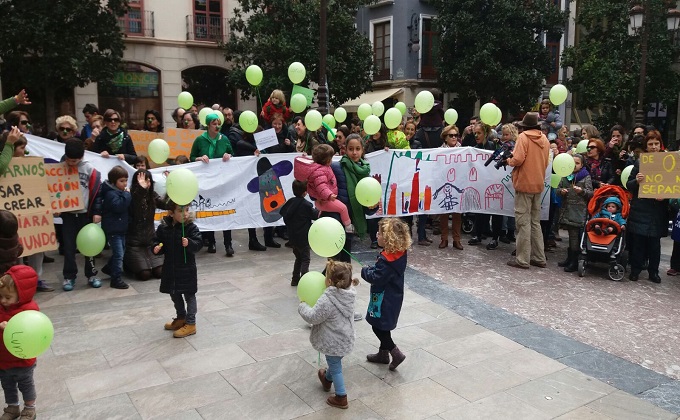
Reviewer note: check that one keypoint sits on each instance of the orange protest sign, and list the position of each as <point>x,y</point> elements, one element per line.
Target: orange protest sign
<point>64,187</point>
<point>141,140</point>
<point>179,140</point>
<point>24,192</point>
<point>662,175</point>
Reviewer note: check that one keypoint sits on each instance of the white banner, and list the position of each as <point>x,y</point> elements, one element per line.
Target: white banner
<point>248,191</point>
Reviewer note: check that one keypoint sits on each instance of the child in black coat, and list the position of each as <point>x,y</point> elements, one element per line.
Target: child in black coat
<point>179,239</point>
<point>298,214</point>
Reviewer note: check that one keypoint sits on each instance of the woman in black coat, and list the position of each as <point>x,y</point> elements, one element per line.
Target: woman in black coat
<point>647,221</point>
<point>114,140</point>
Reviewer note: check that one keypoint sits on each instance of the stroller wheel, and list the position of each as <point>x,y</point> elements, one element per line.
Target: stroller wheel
<point>468,224</point>
<point>617,272</point>
<point>581,268</point>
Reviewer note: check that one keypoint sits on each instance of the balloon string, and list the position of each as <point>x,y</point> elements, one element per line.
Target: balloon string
<point>318,361</point>
<point>257,89</point>
<point>184,248</point>
<point>352,256</point>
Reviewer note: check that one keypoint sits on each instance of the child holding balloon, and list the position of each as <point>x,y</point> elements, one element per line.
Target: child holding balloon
<point>17,288</point>
<point>332,319</point>
<point>179,239</point>
<point>387,288</point>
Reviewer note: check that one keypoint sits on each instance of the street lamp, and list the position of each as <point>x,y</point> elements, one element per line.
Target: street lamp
<point>639,24</point>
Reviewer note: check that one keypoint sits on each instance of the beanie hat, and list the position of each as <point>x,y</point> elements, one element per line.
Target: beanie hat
<point>210,118</point>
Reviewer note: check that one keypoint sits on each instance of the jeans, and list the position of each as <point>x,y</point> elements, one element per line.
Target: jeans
<point>302,258</point>
<point>422,220</point>
<point>334,373</point>
<point>188,313</point>
<point>117,243</point>
<point>73,222</point>
<point>529,236</point>
<point>18,379</point>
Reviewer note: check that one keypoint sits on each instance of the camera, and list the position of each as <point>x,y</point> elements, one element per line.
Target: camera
<point>501,156</point>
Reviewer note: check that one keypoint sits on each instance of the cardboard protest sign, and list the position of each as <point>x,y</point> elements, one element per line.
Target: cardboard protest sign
<point>24,192</point>
<point>306,92</point>
<point>64,187</point>
<point>662,175</point>
<point>181,140</point>
<point>141,140</point>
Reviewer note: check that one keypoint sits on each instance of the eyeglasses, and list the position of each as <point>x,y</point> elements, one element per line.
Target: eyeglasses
<point>24,122</point>
<point>113,120</point>
<point>65,129</point>
<point>453,135</point>
<point>591,147</point>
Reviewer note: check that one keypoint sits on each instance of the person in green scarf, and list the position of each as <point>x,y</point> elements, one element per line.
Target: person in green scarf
<point>213,145</point>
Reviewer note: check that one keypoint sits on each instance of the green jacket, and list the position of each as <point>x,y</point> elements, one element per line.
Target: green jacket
<point>201,147</point>
<point>7,105</point>
<point>5,156</point>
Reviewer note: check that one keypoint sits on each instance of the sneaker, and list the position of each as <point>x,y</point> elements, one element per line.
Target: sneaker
<point>44,287</point>
<point>119,284</point>
<point>94,282</point>
<point>672,272</point>
<point>68,284</point>
<point>358,316</point>
<point>492,245</point>
<point>349,228</point>
<point>475,240</point>
<point>374,245</point>
<point>185,331</point>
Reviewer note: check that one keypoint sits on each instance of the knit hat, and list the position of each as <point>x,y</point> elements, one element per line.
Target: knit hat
<point>610,200</point>
<point>210,118</point>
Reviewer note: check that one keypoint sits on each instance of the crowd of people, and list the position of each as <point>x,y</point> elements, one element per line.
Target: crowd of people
<point>126,209</point>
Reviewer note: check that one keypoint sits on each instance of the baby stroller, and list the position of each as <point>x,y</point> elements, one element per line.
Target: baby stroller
<point>604,247</point>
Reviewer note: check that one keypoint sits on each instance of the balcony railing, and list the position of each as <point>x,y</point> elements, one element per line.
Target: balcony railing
<point>136,23</point>
<point>427,70</point>
<point>383,70</point>
<point>207,28</point>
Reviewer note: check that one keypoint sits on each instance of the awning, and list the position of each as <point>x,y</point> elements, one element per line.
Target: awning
<point>370,97</point>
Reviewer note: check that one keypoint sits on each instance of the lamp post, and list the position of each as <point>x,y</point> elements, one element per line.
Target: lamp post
<point>640,24</point>
<point>322,92</point>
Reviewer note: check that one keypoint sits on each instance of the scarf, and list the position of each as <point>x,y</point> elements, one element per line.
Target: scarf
<point>355,172</point>
<point>212,144</point>
<point>595,170</point>
<point>578,176</point>
<point>116,141</point>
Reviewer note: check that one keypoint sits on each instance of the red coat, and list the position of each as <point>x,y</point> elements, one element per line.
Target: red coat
<point>26,281</point>
<point>269,109</point>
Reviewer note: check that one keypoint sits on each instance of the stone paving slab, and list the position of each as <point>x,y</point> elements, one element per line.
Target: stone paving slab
<point>251,357</point>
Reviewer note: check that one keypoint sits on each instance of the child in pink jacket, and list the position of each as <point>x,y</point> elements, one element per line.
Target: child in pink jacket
<point>322,185</point>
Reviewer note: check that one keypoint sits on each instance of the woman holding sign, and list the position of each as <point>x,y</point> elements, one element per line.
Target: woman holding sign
<point>213,145</point>
<point>647,220</point>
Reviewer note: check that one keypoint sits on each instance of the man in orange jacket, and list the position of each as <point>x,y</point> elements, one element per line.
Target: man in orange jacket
<point>530,160</point>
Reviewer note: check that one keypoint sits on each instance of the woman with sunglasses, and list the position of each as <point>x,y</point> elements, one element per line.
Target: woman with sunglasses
<point>66,128</point>
<point>600,168</point>
<point>450,138</point>
<point>114,140</point>
<point>19,119</point>
<point>153,121</point>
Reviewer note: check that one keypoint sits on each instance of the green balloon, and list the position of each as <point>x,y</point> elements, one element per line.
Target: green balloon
<point>340,114</point>
<point>488,113</point>
<point>499,117</point>
<point>424,101</point>
<point>296,72</point>
<point>563,164</point>
<point>392,118</point>
<point>451,116</point>
<point>219,114</point>
<point>329,120</point>
<point>326,237</point>
<point>298,103</point>
<point>28,334</point>
<point>625,174</point>
<point>311,287</point>
<point>372,125</point>
<point>368,191</point>
<point>377,108</point>
<point>182,186</point>
<point>555,180</point>
<point>204,113</point>
<point>185,100</point>
<point>582,146</point>
<point>330,135</point>
<point>254,75</point>
<point>90,240</point>
<point>248,121</point>
<point>558,94</point>
<point>313,120</point>
<point>159,151</point>
<point>364,111</point>
<point>401,107</point>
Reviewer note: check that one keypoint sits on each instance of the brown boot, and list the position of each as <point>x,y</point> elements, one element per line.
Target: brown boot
<point>325,383</point>
<point>185,331</point>
<point>28,413</point>
<point>397,358</point>
<point>175,325</point>
<point>337,401</point>
<point>382,356</point>
<point>11,412</point>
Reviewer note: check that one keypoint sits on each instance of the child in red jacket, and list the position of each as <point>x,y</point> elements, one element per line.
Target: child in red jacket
<point>275,105</point>
<point>17,287</point>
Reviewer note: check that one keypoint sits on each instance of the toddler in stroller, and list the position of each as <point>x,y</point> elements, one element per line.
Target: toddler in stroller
<point>603,237</point>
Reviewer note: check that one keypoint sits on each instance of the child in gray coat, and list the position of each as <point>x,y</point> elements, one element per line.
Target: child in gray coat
<point>332,319</point>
